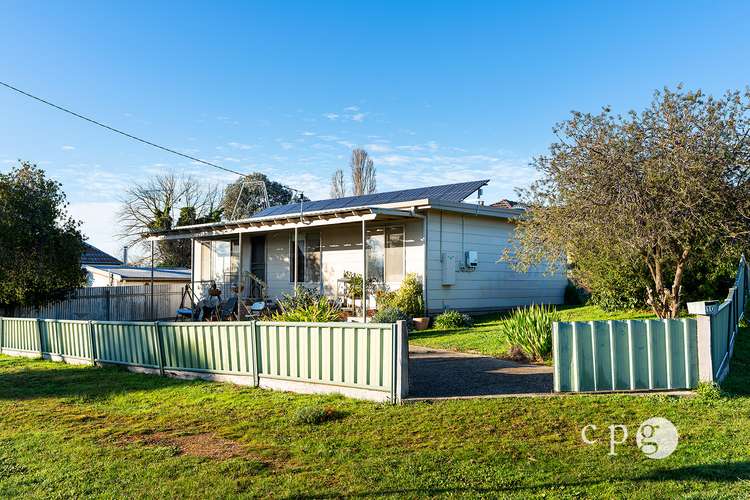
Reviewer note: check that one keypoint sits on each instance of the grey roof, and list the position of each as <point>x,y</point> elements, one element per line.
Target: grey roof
<point>144,273</point>
<point>447,192</point>
<point>93,256</point>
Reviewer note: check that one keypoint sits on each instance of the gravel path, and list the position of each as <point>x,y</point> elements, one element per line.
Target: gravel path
<point>436,374</point>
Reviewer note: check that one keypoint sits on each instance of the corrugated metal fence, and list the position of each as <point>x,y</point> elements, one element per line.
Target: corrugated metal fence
<point>625,355</point>
<point>361,360</point>
<point>650,354</point>
<point>111,303</point>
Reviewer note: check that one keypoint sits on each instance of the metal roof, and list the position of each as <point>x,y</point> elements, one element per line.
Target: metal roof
<point>93,256</point>
<point>144,273</point>
<point>447,192</point>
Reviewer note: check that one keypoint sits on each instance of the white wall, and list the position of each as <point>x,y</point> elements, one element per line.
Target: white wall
<point>493,285</point>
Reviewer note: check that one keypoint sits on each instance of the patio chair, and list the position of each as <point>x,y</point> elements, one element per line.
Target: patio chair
<point>228,310</point>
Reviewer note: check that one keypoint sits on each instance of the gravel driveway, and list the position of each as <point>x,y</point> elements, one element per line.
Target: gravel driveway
<point>446,374</point>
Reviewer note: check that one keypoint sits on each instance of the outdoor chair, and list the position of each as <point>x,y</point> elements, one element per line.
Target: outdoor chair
<point>228,310</point>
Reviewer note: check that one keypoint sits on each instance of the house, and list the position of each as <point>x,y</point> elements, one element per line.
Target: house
<point>454,246</point>
<point>106,270</point>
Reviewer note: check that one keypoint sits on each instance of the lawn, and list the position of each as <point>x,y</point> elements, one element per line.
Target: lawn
<point>69,431</point>
<point>484,337</point>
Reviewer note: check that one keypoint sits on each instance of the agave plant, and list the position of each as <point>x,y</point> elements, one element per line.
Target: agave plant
<point>530,329</point>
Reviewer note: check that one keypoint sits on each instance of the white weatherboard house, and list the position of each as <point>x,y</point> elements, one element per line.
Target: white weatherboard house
<point>452,245</point>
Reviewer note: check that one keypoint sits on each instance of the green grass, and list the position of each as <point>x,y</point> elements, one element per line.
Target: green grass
<point>70,431</point>
<point>484,336</point>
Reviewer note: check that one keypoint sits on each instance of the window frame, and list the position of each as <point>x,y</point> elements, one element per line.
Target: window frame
<point>386,228</point>
<point>303,269</point>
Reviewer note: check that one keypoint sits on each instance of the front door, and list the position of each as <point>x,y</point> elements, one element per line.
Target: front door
<point>257,264</point>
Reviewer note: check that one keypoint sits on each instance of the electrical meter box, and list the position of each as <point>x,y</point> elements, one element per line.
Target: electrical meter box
<point>471,259</point>
<point>448,262</point>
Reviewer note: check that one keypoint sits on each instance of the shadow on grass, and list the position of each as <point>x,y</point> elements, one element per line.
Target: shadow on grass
<point>716,473</point>
<point>737,382</point>
<point>42,379</point>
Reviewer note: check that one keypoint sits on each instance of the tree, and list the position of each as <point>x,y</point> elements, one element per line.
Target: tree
<point>40,244</point>
<point>338,185</point>
<point>363,173</point>
<point>252,198</point>
<point>150,206</point>
<point>663,192</point>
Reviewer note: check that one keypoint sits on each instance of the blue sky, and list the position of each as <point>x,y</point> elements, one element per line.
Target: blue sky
<point>435,91</point>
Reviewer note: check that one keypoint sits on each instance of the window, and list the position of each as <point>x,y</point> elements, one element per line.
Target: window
<point>308,253</point>
<point>385,254</point>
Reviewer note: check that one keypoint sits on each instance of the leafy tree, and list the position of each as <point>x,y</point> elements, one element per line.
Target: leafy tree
<point>659,194</point>
<point>338,185</point>
<point>40,244</point>
<point>149,206</point>
<point>363,173</point>
<point>251,196</point>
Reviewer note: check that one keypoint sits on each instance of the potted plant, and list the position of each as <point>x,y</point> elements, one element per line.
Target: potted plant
<point>421,322</point>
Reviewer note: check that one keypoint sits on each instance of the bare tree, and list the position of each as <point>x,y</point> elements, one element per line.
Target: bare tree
<point>363,173</point>
<point>151,206</point>
<point>338,185</point>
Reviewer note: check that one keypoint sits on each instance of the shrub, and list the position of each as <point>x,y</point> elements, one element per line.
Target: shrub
<point>530,329</point>
<point>390,315</point>
<point>312,415</point>
<point>452,319</point>
<point>307,306</point>
<point>407,298</point>
<point>575,295</point>
<point>709,391</point>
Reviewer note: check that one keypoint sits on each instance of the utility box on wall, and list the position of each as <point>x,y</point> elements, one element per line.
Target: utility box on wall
<point>449,269</point>
<point>471,259</point>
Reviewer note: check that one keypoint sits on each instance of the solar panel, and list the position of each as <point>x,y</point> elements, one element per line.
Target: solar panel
<point>446,192</point>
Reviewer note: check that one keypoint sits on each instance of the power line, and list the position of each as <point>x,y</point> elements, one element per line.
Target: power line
<point>144,141</point>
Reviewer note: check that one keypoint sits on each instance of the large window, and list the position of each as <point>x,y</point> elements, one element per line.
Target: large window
<point>308,254</point>
<point>385,254</point>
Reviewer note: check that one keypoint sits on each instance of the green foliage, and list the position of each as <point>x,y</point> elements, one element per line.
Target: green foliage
<point>530,329</point>
<point>390,314</point>
<point>575,295</point>
<point>251,199</point>
<point>452,319</point>
<point>315,414</point>
<point>709,391</point>
<point>408,298</point>
<point>307,306</point>
<point>643,203</point>
<point>354,284</point>
<point>40,244</point>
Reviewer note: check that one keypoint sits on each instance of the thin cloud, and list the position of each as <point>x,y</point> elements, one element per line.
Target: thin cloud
<point>68,148</point>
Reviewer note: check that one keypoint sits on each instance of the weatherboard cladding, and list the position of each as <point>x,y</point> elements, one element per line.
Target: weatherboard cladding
<point>448,192</point>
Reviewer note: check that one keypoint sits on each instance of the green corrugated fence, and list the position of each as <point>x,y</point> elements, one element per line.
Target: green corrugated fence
<point>371,358</point>
<point>625,355</point>
<point>651,354</point>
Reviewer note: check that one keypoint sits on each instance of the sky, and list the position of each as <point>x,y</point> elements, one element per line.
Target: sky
<point>436,92</point>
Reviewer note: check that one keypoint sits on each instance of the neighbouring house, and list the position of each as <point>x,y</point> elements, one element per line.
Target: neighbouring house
<point>106,270</point>
<point>454,246</point>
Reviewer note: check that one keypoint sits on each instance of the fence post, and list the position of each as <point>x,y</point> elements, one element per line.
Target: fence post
<point>92,343</point>
<point>159,347</point>
<point>107,304</point>
<point>401,354</point>
<point>705,356</point>
<point>2,334</point>
<point>39,334</point>
<point>254,349</point>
